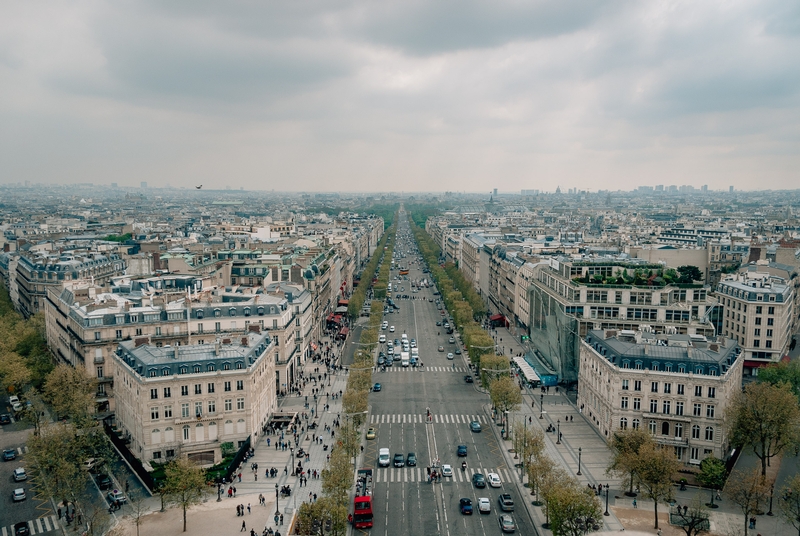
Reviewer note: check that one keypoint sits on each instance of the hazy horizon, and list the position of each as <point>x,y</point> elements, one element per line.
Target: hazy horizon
<point>406,97</point>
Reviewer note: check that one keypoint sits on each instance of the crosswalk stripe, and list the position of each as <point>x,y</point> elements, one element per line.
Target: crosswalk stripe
<point>5,533</point>
<point>39,524</point>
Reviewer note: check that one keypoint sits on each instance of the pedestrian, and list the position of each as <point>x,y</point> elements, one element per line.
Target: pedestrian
<point>244,527</point>
<point>315,500</point>
<point>234,491</point>
<point>248,508</point>
<point>59,512</point>
<point>238,511</point>
<point>281,520</point>
<point>634,504</point>
<point>240,477</point>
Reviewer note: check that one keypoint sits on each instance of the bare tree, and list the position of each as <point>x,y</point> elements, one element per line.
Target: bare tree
<point>747,490</point>
<point>789,503</point>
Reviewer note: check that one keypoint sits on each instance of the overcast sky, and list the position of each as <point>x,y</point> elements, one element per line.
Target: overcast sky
<point>411,95</point>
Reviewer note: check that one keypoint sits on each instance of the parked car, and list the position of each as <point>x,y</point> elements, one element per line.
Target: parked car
<point>104,482</point>
<point>20,474</point>
<point>18,494</point>
<point>458,351</point>
<point>116,495</point>
<point>5,418</point>
<point>371,433</point>
<point>9,454</point>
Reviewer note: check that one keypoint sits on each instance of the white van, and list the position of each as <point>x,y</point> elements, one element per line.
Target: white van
<point>383,457</point>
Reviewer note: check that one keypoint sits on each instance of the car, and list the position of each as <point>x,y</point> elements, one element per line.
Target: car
<point>116,495</point>
<point>384,324</point>
<point>377,387</point>
<point>381,361</point>
<point>441,312</point>
<point>475,426</point>
<point>397,342</point>
<point>447,470</point>
<point>507,523</point>
<point>438,322</point>
<point>20,474</point>
<point>371,433</point>
<point>89,464</point>
<point>465,505</point>
<point>468,378</point>
<point>22,529</point>
<point>413,343</point>
<point>399,460</point>
<point>494,480</point>
<point>9,454</point>
<point>411,459</point>
<point>391,329</point>
<point>506,502</point>
<point>14,402</point>
<point>383,457</point>
<point>478,480</point>
<point>382,338</point>
<point>451,340</point>
<point>461,451</point>
<point>441,348</point>
<point>484,505</point>
<point>104,482</point>
<point>18,494</point>
<point>450,356</point>
<point>458,351</point>
<point>5,418</point>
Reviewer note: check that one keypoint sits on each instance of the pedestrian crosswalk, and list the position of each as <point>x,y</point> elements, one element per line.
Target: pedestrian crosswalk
<point>403,418</point>
<point>36,526</point>
<point>397,369</point>
<point>21,450</point>
<point>394,475</point>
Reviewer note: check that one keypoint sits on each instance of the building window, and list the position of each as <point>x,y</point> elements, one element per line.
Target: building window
<point>710,410</point>
<point>167,412</point>
<point>653,387</point>
<point>97,335</point>
<point>226,366</point>
<point>665,428</point>
<point>709,433</point>
<point>637,385</point>
<point>138,331</point>
<point>680,389</point>
<point>240,403</point>
<point>681,369</point>
<point>698,390</point>
<point>152,373</point>
<point>624,385</point>
<point>666,406</point>
<point>197,369</point>
<point>758,321</point>
<point>635,424</point>
<point>118,334</point>
<point>99,372</point>
<point>623,423</point>
<point>637,404</point>
<point>638,365</point>
<point>678,429</point>
<point>624,402</point>
<point>771,310</point>
<point>210,388</point>
<point>212,406</point>
<point>185,410</point>
<point>654,406</point>
<point>759,309</point>
<point>167,392</point>
<point>184,390</point>
<point>667,388</point>
<point>227,386</point>
<point>217,327</point>
<point>198,409</point>
<point>198,389</point>
<point>153,394</point>
<point>186,433</point>
<point>240,385</point>
<point>239,365</point>
<point>228,405</point>
<point>679,408</point>
<point>165,372</point>
<point>712,392</point>
<point>756,343</point>
<point>697,410</point>
<point>153,414</point>
<point>695,432</point>
<point>694,455</point>
<point>652,425</point>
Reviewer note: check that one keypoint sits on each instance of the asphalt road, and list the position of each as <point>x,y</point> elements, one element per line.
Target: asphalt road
<point>404,502</point>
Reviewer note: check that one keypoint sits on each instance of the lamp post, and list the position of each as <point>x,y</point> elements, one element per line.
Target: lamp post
<point>579,461</point>
<point>541,406</point>
<point>277,511</point>
<point>771,491</point>
<point>606,512</point>
<point>294,472</point>
<point>558,437</point>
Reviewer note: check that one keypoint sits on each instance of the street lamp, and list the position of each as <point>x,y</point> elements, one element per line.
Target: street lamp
<point>579,461</point>
<point>558,437</point>
<point>606,512</point>
<point>541,406</point>
<point>771,491</point>
<point>294,473</point>
<point>277,511</point>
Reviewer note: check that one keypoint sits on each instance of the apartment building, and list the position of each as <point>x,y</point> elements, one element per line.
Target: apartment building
<point>186,401</point>
<point>759,311</point>
<point>677,386</point>
<point>564,307</point>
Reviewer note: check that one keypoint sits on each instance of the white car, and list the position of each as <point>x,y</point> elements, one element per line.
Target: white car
<point>494,480</point>
<point>447,470</point>
<point>18,494</point>
<point>484,506</point>
<point>20,474</point>
<point>385,324</point>
<point>450,355</point>
<point>382,338</point>
<point>391,329</point>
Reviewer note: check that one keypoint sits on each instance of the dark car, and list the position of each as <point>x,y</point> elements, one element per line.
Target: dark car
<point>475,426</point>
<point>411,459</point>
<point>104,482</point>
<point>381,360</point>
<point>377,387</point>
<point>468,378</point>
<point>506,502</point>
<point>461,451</point>
<point>478,480</point>
<point>22,529</point>
<point>439,323</point>
<point>466,506</point>
<point>399,460</point>
<point>5,418</point>
<point>458,351</point>
<point>9,454</point>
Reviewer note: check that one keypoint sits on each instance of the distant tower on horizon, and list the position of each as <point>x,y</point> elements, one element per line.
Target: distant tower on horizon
<point>730,189</point>
<point>495,191</point>
<point>143,184</point>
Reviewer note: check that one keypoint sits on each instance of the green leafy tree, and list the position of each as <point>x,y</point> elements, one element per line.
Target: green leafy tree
<point>689,274</point>
<point>505,394</point>
<point>625,446</point>
<point>538,473</point>
<point>573,509</point>
<point>712,475</point>
<point>184,484</point>
<point>494,367</point>
<point>337,477</point>
<point>70,391</point>
<point>783,372</point>
<point>764,418</point>
<point>655,466</point>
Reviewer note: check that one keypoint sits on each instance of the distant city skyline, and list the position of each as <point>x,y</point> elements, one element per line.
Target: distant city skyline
<point>401,96</point>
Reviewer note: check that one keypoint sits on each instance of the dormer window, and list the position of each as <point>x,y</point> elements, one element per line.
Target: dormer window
<point>200,313</point>
<point>260,311</point>
<point>217,313</point>
<point>246,311</point>
<point>232,311</point>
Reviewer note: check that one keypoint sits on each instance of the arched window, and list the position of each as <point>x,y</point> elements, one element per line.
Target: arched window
<point>665,428</point>
<point>652,426</point>
<point>155,437</point>
<point>169,434</point>
<point>635,424</point>
<point>695,432</point>
<point>232,311</point>
<point>623,423</point>
<point>246,311</point>
<point>709,433</point>
<point>217,313</point>
<point>199,432</point>
<point>186,433</point>
<point>260,311</point>
<point>678,429</point>
<point>200,313</point>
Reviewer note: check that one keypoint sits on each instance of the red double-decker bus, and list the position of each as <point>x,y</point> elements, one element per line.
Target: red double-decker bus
<point>362,504</point>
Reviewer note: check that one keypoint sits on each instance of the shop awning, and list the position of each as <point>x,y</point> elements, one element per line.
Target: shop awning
<point>344,331</point>
<point>497,318</point>
<point>344,303</point>
<point>756,364</point>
